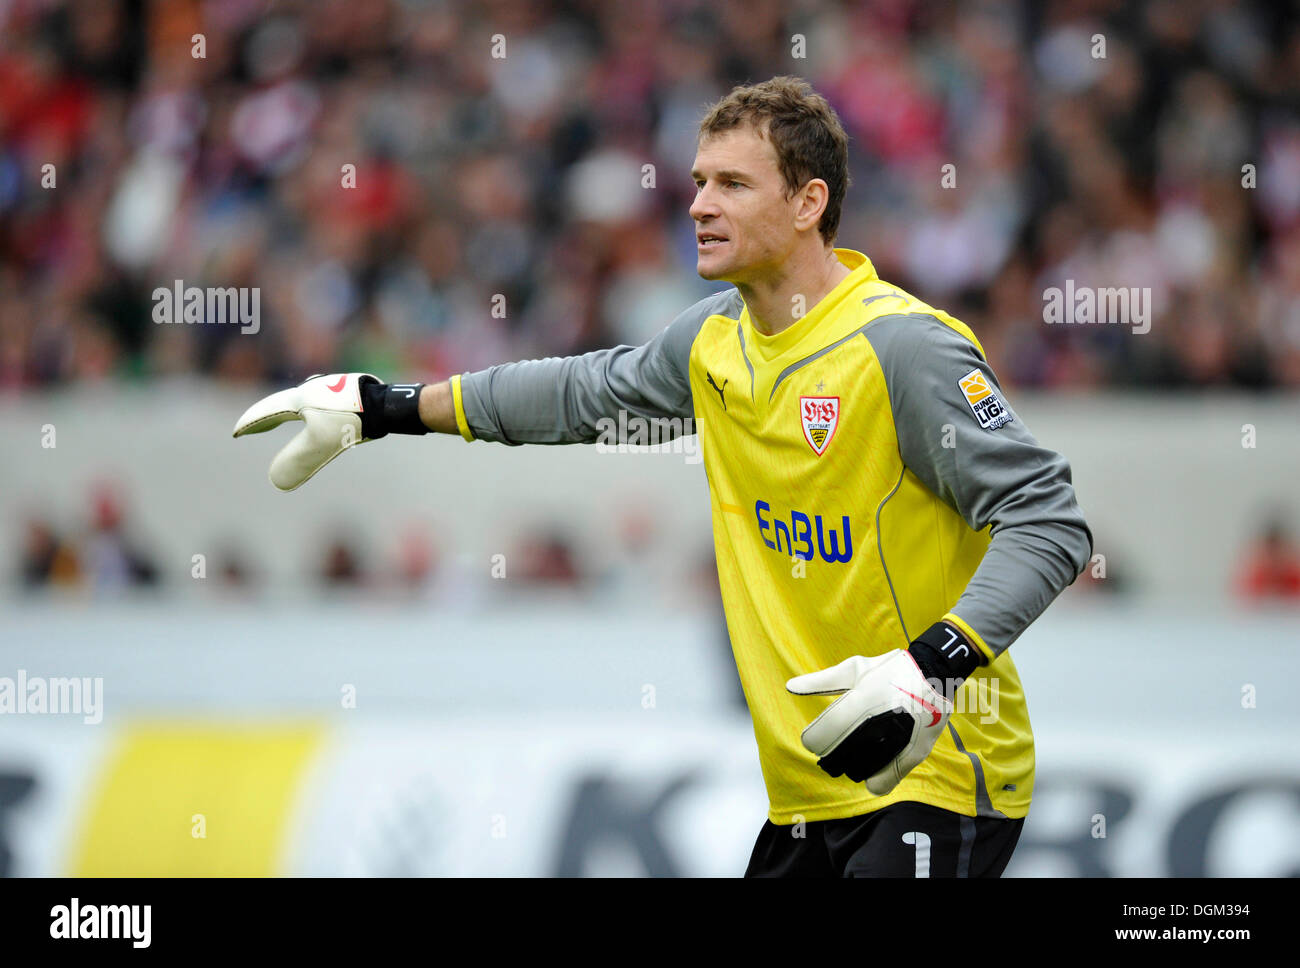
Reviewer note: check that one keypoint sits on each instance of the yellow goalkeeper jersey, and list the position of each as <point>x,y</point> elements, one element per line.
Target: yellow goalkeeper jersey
<point>867,478</point>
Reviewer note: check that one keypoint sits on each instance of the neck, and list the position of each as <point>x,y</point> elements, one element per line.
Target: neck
<point>773,301</point>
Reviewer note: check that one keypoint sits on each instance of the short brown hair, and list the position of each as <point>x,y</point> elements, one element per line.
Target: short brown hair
<point>804,130</point>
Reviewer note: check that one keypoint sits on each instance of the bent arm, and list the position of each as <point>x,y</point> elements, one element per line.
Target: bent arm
<point>991,475</point>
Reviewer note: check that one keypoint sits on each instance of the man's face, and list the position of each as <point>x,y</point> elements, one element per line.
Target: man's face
<point>740,201</point>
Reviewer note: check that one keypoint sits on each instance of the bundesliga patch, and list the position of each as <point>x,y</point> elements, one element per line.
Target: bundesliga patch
<point>820,415</point>
<point>989,408</point>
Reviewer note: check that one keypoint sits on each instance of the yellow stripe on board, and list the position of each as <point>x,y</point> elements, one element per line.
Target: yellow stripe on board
<point>141,818</point>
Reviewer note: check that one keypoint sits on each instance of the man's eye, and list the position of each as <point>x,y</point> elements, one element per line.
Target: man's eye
<point>733,184</point>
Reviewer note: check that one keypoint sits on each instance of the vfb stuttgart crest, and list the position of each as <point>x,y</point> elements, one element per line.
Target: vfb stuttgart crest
<point>820,416</point>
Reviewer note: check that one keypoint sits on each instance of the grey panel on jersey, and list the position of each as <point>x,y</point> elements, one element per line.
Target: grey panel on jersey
<point>1004,477</point>
<point>560,400</point>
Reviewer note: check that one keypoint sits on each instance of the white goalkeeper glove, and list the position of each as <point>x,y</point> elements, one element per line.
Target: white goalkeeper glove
<point>893,708</point>
<point>340,410</point>
<point>885,723</point>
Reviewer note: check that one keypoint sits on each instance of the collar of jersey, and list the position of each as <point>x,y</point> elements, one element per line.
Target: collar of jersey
<point>770,347</point>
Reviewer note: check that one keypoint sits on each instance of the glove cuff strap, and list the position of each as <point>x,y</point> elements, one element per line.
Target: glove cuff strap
<point>390,409</point>
<point>944,656</point>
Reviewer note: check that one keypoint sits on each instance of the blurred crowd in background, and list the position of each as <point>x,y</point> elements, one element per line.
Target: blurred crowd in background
<point>105,554</point>
<point>408,204</point>
<point>521,176</point>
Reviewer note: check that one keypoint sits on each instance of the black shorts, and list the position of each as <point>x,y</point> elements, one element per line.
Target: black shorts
<point>901,840</point>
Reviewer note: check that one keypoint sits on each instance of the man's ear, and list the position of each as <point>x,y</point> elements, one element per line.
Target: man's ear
<point>810,203</point>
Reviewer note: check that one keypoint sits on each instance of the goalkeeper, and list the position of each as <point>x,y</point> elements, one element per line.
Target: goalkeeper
<point>884,523</point>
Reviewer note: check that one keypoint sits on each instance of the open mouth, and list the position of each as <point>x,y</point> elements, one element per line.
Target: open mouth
<point>708,240</point>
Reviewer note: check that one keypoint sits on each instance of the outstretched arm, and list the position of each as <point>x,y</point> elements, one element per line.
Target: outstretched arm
<point>437,411</point>
<point>551,401</point>
<point>564,401</point>
<point>558,401</point>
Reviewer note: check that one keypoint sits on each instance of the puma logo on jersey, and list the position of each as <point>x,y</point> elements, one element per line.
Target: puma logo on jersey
<point>722,390</point>
<point>884,295</point>
<point>989,408</point>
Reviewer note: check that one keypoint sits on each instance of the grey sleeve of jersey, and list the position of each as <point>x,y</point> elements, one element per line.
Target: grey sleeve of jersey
<point>564,400</point>
<point>1003,477</point>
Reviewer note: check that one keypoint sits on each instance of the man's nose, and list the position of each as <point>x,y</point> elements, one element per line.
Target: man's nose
<point>703,207</point>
